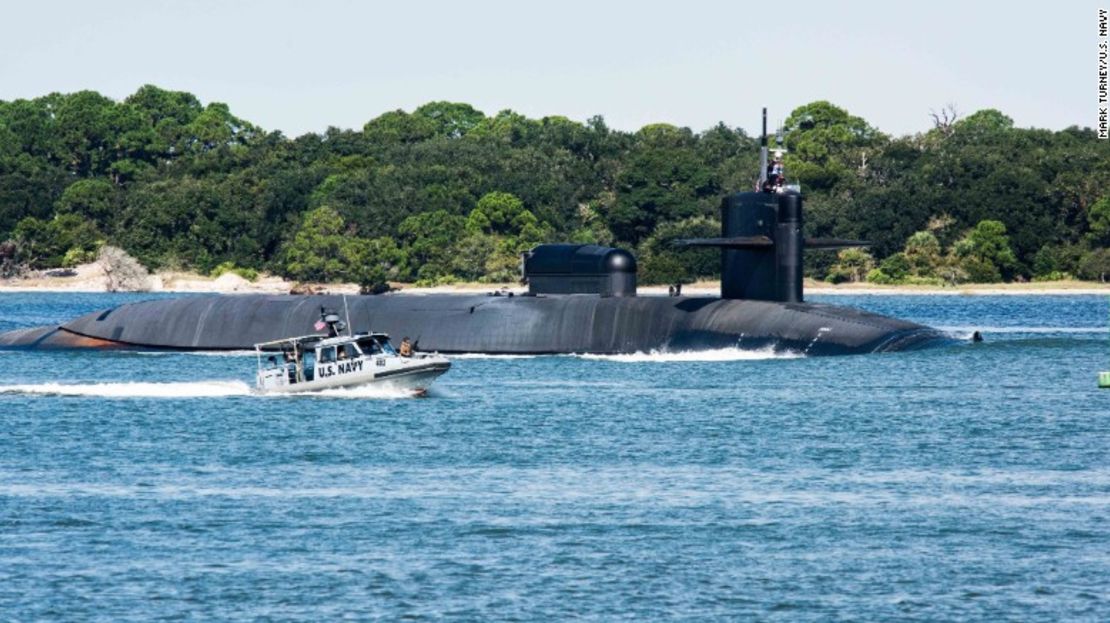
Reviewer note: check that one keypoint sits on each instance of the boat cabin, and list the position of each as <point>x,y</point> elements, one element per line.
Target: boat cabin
<point>309,358</point>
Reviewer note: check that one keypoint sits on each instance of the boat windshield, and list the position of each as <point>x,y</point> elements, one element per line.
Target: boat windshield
<point>369,346</point>
<point>376,346</point>
<point>348,351</point>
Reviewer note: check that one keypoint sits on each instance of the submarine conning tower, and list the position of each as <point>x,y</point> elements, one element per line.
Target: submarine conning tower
<point>761,239</point>
<point>764,261</point>
<point>762,244</point>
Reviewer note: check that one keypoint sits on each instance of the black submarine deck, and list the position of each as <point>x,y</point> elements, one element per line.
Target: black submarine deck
<point>451,323</point>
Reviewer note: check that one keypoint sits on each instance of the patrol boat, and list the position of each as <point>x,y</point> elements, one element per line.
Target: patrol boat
<point>316,362</point>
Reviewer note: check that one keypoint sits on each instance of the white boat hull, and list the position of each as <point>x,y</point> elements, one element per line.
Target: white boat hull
<point>410,374</point>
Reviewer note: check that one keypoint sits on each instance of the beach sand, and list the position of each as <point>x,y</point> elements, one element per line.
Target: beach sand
<point>90,278</point>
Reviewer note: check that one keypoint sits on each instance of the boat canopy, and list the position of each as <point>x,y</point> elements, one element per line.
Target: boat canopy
<point>319,339</point>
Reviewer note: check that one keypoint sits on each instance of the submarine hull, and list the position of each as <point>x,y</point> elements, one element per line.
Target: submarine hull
<point>490,324</point>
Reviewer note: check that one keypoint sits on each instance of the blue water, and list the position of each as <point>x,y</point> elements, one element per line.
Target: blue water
<point>964,483</point>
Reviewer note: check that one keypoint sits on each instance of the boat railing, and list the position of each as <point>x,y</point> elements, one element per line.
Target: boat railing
<point>291,340</point>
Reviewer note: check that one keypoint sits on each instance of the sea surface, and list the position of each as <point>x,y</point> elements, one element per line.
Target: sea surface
<point>966,483</point>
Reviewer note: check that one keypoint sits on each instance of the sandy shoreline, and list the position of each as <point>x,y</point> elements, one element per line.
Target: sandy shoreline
<point>208,287</point>
<point>90,279</point>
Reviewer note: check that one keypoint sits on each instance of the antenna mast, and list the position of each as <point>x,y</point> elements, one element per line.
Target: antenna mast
<point>763,154</point>
<point>347,312</point>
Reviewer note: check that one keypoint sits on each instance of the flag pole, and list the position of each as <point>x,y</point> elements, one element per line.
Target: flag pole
<point>347,312</point>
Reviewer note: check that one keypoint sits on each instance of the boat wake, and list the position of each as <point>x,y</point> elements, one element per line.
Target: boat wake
<point>196,353</point>
<point>718,354</point>
<point>489,356</point>
<point>380,391</point>
<point>199,389</point>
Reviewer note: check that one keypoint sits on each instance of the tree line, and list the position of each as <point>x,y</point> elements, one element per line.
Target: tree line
<point>446,192</point>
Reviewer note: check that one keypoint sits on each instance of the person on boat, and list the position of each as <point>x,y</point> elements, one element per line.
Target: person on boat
<point>406,347</point>
<point>775,174</point>
<point>290,358</point>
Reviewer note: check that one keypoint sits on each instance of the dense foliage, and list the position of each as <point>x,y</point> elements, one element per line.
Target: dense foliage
<point>446,192</point>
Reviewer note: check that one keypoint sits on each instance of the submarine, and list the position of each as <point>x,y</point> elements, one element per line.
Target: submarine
<point>580,299</point>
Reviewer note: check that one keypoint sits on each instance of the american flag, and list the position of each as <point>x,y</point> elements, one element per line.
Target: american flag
<point>320,325</point>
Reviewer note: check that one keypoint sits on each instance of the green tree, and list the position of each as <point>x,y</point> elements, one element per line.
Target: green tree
<point>501,222</point>
<point>504,216</point>
<point>449,119</point>
<point>664,179</point>
<point>1098,219</point>
<point>923,253</point>
<point>325,249</point>
<point>192,222</point>
<point>84,127</point>
<point>93,199</point>
<point>984,123</point>
<point>65,240</point>
<point>372,263</point>
<point>827,145</point>
<point>428,239</point>
<point>1095,265</point>
<point>469,259</point>
<point>399,127</point>
<point>851,265</point>
<point>894,269</point>
<point>985,253</point>
<point>1056,261</point>
<point>498,213</point>
<point>316,252</point>
<point>175,181</point>
<point>661,262</point>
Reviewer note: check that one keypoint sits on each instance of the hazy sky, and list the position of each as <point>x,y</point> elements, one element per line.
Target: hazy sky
<point>302,66</point>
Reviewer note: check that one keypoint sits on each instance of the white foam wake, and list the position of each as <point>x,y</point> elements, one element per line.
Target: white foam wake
<point>377,390</point>
<point>718,354</point>
<point>197,353</point>
<point>199,389</point>
<point>489,356</point>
